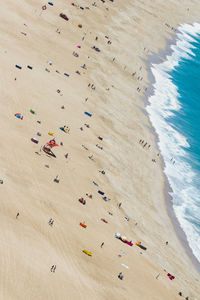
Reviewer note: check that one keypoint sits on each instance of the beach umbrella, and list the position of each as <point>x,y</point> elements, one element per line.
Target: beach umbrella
<point>117,235</point>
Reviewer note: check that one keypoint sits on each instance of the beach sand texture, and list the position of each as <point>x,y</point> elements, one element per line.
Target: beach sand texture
<point>29,246</point>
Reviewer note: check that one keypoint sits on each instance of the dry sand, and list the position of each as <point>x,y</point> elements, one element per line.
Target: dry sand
<point>28,245</point>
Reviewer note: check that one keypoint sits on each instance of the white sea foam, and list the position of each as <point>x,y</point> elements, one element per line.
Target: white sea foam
<point>162,105</point>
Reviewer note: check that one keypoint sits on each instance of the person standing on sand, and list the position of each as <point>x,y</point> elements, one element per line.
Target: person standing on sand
<point>120,204</point>
<point>102,244</point>
<point>52,267</point>
<point>17,215</point>
<point>121,276</point>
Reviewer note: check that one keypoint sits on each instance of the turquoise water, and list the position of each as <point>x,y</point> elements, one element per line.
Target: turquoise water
<point>174,111</point>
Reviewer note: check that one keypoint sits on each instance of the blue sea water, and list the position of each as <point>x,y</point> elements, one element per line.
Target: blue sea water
<point>174,110</point>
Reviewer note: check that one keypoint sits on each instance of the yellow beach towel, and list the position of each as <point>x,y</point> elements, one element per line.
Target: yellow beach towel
<point>87,252</point>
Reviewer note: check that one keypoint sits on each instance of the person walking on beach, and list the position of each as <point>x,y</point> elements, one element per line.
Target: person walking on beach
<point>17,215</point>
<point>157,276</point>
<point>54,268</point>
<point>144,145</point>
<point>121,276</point>
<point>120,204</point>
<point>102,244</point>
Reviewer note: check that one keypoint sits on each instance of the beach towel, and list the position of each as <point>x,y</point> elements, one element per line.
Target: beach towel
<point>142,247</point>
<point>171,277</point>
<point>18,67</point>
<point>101,193</point>
<point>129,243</point>
<point>34,140</point>
<point>64,16</point>
<point>87,113</point>
<point>19,116</point>
<point>125,266</point>
<point>52,143</point>
<point>87,252</point>
<point>104,220</point>
<point>83,225</point>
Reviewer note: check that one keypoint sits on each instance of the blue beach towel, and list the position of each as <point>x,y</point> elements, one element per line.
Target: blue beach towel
<point>101,193</point>
<point>87,113</point>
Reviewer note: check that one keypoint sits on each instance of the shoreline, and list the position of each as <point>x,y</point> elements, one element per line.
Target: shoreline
<point>157,59</point>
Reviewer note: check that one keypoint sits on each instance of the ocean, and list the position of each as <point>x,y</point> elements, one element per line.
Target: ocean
<point>174,110</point>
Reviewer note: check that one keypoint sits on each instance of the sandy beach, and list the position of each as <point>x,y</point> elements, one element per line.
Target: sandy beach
<point>87,73</point>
